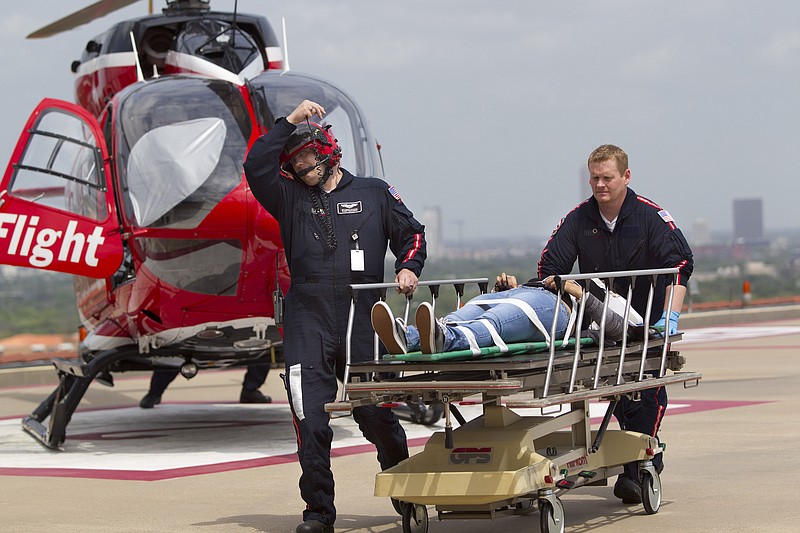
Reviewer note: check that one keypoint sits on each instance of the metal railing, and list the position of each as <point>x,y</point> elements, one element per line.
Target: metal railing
<point>651,277</point>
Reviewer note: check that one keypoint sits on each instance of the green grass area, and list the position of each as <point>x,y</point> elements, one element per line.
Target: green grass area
<point>37,303</point>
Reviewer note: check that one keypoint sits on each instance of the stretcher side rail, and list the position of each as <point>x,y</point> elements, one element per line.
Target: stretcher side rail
<point>650,276</point>
<point>605,360</point>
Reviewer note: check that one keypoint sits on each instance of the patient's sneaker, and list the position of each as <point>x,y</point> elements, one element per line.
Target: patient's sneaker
<point>431,331</point>
<point>390,330</point>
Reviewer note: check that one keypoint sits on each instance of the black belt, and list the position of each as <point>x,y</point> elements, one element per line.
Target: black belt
<point>346,281</point>
<point>304,279</point>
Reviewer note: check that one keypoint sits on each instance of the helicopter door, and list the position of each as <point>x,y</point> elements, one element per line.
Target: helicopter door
<point>57,209</point>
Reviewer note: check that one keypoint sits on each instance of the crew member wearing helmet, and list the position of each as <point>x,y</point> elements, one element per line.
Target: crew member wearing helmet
<point>335,229</point>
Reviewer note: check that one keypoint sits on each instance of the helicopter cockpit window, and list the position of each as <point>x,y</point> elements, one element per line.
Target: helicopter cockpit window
<point>62,167</point>
<point>180,150</point>
<point>282,93</point>
<point>220,43</point>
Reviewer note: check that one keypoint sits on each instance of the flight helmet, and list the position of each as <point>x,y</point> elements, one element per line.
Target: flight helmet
<point>318,138</point>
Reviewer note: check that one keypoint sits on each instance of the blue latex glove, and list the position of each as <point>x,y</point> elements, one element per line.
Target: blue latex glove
<point>673,322</point>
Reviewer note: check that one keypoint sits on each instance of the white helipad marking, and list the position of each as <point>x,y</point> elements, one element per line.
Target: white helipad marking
<point>171,436</point>
<point>176,440</point>
<point>729,333</point>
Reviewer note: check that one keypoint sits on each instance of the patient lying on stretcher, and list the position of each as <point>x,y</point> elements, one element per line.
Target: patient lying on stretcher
<point>518,314</point>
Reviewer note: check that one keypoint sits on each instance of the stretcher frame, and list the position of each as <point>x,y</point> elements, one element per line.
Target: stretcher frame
<point>501,462</point>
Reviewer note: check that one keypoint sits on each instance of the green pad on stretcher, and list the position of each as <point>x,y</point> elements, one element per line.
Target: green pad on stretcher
<point>516,348</point>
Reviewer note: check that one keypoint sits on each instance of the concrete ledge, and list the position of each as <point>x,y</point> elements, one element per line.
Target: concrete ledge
<point>704,319</point>
<point>26,375</point>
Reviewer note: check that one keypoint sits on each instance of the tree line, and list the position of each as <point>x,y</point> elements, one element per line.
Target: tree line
<point>44,302</point>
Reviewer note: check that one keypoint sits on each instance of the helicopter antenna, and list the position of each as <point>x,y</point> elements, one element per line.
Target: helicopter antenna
<point>139,74</point>
<point>380,156</point>
<point>285,47</point>
<point>233,33</point>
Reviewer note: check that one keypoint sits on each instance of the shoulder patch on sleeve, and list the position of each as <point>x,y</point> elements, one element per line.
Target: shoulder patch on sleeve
<point>665,216</point>
<point>394,193</point>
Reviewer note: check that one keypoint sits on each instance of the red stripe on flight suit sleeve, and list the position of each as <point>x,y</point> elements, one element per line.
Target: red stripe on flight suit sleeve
<point>413,251</point>
<point>680,266</point>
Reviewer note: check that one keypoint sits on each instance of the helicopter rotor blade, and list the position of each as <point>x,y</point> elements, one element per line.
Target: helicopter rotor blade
<point>87,14</point>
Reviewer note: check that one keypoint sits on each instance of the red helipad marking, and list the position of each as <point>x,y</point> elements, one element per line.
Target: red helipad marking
<point>194,439</point>
<point>679,407</point>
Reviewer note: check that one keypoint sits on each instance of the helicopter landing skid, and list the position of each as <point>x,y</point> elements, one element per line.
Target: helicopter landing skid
<point>74,379</point>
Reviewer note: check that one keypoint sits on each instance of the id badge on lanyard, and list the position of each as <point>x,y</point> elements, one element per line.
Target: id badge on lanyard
<point>356,255</point>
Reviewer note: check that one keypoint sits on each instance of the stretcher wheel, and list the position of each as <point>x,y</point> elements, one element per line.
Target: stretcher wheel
<point>551,516</point>
<point>651,491</point>
<point>415,518</point>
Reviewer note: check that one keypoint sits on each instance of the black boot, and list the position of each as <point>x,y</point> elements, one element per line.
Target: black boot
<point>253,396</point>
<point>628,490</point>
<point>313,526</point>
<point>150,400</point>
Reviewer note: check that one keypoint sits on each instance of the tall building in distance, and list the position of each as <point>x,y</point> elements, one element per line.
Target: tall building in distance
<point>701,232</point>
<point>431,217</point>
<point>748,220</point>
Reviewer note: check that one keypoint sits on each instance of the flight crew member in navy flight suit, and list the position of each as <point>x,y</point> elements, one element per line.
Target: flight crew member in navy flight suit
<point>335,228</point>
<point>616,229</point>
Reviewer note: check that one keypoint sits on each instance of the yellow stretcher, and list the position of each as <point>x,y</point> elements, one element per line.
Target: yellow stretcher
<point>504,463</point>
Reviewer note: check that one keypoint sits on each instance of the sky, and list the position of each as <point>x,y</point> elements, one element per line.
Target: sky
<point>489,109</point>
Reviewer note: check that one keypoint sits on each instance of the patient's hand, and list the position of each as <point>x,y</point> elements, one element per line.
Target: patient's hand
<point>570,287</point>
<point>505,282</point>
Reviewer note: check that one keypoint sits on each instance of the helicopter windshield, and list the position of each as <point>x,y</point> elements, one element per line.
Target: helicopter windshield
<point>277,94</point>
<point>180,150</point>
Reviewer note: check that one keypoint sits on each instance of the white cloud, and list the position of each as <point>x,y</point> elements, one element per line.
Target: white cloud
<point>657,63</point>
<point>783,49</point>
<point>14,27</point>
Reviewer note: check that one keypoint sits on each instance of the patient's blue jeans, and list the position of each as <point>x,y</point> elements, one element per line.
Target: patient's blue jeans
<point>510,321</point>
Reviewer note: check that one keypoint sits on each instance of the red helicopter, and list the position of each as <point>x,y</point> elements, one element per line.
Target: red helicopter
<point>138,191</point>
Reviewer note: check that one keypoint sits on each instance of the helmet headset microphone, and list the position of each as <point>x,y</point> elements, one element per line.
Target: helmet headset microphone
<point>310,135</point>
